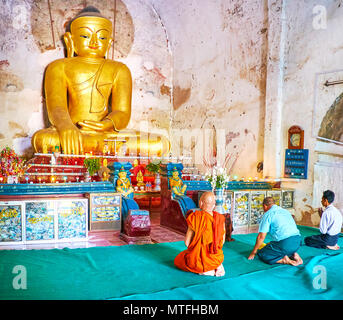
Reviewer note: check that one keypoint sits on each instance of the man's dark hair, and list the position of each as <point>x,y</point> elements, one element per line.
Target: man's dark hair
<point>267,201</point>
<point>329,196</point>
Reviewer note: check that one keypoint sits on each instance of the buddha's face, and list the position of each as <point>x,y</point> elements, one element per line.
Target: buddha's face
<point>122,174</point>
<point>175,174</point>
<point>91,36</point>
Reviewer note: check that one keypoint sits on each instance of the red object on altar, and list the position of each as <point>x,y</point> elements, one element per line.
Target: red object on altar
<point>136,227</point>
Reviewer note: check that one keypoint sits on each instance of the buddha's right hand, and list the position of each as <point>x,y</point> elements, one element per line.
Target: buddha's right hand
<point>71,140</point>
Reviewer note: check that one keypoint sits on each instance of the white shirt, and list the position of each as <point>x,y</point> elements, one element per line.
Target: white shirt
<point>331,221</point>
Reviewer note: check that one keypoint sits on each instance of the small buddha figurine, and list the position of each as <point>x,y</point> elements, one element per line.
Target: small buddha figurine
<point>77,93</point>
<point>140,179</point>
<point>176,184</point>
<point>106,149</point>
<point>123,183</point>
<point>104,171</point>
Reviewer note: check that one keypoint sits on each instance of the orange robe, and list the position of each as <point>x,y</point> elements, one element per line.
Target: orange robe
<point>204,253</point>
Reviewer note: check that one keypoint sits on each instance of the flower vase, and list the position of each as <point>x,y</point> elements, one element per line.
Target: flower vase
<point>157,182</point>
<point>220,200</point>
<point>12,179</point>
<point>88,177</point>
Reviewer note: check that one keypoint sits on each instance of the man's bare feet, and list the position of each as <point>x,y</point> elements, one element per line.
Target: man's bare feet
<point>220,271</point>
<point>297,258</point>
<point>335,247</point>
<point>208,273</point>
<point>287,260</point>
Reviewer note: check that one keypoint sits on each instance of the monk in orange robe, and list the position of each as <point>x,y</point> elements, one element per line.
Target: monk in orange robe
<point>204,239</point>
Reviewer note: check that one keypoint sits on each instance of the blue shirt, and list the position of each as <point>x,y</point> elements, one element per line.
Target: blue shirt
<point>331,221</point>
<point>279,223</point>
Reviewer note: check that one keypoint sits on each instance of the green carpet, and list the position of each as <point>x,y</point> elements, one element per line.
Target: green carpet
<point>147,272</point>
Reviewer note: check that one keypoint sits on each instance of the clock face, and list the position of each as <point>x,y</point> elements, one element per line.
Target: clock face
<point>295,139</point>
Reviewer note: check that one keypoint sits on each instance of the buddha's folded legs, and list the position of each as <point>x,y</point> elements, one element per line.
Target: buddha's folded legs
<point>136,142</point>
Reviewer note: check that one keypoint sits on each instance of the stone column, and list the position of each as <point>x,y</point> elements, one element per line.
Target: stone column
<point>273,144</point>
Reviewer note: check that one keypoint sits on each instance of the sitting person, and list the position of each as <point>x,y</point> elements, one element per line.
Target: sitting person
<point>330,225</point>
<point>281,226</point>
<point>204,240</point>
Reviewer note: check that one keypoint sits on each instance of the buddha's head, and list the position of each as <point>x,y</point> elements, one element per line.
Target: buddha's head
<point>122,173</point>
<point>90,34</point>
<point>175,173</point>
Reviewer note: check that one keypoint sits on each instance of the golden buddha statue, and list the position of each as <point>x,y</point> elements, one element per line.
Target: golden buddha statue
<point>140,179</point>
<point>104,171</point>
<point>77,92</point>
<point>123,184</point>
<point>176,184</point>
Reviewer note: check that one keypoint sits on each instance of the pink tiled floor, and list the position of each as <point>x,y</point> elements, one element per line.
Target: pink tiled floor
<point>101,238</point>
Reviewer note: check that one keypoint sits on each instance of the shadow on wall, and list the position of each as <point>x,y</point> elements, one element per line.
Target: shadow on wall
<point>309,217</point>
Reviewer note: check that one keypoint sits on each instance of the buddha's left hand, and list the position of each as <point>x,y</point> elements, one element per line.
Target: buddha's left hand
<point>104,125</point>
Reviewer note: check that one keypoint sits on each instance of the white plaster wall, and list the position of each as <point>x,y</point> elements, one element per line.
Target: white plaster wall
<point>310,51</point>
<point>218,50</point>
<point>150,63</point>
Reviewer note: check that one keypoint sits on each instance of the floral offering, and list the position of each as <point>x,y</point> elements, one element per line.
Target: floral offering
<point>218,178</point>
<point>11,164</point>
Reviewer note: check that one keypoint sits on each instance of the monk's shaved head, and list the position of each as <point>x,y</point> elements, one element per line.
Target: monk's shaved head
<point>207,196</point>
<point>207,201</point>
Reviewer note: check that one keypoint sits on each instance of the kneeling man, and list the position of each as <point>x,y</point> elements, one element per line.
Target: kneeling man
<point>204,240</point>
<point>286,236</point>
<point>330,225</point>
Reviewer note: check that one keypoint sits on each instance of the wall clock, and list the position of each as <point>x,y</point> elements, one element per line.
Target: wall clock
<point>295,138</point>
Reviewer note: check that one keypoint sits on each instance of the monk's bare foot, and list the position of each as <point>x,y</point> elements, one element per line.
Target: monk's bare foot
<point>335,247</point>
<point>208,273</point>
<point>297,258</point>
<point>287,260</point>
<point>220,271</point>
